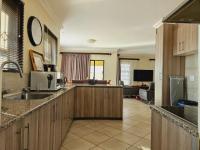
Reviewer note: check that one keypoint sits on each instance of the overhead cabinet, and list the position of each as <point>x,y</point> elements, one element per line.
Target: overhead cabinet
<point>185,39</point>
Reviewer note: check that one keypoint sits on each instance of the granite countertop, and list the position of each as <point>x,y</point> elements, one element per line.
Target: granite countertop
<point>182,117</point>
<point>98,85</point>
<point>18,108</point>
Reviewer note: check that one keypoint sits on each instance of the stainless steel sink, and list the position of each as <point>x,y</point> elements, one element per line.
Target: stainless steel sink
<point>30,96</point>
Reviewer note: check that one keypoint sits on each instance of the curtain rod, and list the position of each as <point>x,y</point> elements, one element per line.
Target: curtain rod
<point>129,59</point>
<point>86,53</point>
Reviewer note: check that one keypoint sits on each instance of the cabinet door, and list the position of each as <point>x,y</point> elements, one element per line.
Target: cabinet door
<point>44,128</point>
<point>99,102</point>
<point>185,39</point>
<point>12,137</point>
<point>176,42</point>
<point>191,38</point>
<point>156,131</point>
<point>57,129</point>
<point>84,103</point>
<point>31,131</point>
<point>71,105</point>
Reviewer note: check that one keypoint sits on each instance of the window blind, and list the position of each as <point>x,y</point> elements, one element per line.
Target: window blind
<point>50,46</point>
<point>11,41</point>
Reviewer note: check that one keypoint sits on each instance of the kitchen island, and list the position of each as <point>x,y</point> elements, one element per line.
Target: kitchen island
<point>43,123</point>
<point>174,128</point>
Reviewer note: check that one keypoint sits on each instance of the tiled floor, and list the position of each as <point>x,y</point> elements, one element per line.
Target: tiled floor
<point>133,133</point>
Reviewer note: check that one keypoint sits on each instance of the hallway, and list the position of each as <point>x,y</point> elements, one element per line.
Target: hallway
<point>133,133</point>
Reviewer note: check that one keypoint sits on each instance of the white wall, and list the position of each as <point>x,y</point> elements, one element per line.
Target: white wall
<point>110,66</point>
<point>191,74</point>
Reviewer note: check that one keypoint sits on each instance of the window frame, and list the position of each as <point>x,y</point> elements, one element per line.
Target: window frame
<point>94,66</point>
<point>20,36</point>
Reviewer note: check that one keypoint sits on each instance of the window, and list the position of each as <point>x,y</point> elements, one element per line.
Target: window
<point>50,47</point>
<point>11,34</point>
<point>126,73</point>
<point>97,69</point>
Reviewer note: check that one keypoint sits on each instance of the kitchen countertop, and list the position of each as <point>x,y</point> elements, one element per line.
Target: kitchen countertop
<point>185,118</point>
<point>19,108</point>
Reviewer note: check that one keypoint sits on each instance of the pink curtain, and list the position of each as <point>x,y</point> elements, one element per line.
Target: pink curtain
<point>75,66</point>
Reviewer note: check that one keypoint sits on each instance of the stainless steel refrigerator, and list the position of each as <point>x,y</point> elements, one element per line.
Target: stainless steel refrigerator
<point>176,89</point>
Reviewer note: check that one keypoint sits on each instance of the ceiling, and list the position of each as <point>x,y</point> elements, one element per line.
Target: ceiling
<point>114,24</point>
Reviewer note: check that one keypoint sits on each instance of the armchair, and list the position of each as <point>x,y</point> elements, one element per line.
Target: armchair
<point>147,94</point>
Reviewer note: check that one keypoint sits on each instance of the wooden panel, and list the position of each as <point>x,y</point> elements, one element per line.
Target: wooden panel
<point>166,64</point>
<point>67,111</point>
<point>156,128</point>
<point>31,131</point>
<point>11,138</point>
<point>185,39</point>
<point>98,102</point>
<point>84,106</point>
<point>166,135</point>
<point>58,124</point>
<point>44,127</point>
<point>159,65</point>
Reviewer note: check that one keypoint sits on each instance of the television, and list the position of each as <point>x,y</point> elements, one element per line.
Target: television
<point>143,75</point>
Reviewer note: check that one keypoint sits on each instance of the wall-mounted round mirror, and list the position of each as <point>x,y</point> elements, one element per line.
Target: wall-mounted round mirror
<point>34,31</point>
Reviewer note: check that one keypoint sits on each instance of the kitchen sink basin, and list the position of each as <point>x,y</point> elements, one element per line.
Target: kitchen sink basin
<point>30,96</point>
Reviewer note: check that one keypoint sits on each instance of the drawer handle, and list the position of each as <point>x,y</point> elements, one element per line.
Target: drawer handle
<point>27,142</point>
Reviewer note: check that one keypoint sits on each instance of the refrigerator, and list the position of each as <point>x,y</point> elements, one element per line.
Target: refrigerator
<point>176,89</point>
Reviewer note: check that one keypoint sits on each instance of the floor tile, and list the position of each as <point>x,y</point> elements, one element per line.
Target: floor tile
<point>96,148</point>
<point>132,133</point>
<point>96,138</point>
<point>82,131</point>
<point>142,145</point>
<point>110,131</point>
<point>127,138</point>
<point>138,131</point>
<point>114,144</point>
<point>78,144</point>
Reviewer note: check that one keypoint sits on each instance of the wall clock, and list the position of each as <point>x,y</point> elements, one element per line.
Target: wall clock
<point>34,31</point>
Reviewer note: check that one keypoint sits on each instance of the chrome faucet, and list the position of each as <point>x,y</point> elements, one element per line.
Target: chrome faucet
<point>12,62</point>
<point>1,68</point>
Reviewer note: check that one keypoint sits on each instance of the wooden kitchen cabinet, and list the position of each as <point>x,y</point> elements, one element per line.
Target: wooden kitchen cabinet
<point>41,129</point>
<point>44,128</point>
<point>166,64</point>
<point>67,111</point>
<point>31,131</point>
<point>185,39</point>
<point>11,138</point>
<point>167,135</point>
<point>84,102</point>
<point>57,123</point>
<point>98,102</point>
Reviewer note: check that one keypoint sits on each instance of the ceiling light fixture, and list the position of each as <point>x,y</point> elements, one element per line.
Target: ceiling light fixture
<point>92,41</point>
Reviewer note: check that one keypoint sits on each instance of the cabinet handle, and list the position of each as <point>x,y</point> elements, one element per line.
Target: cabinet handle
<point>183,46</point>
<point>54,110</point>
<point>179,46</point>
<point>27,143</point>
<point>19,134</point>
